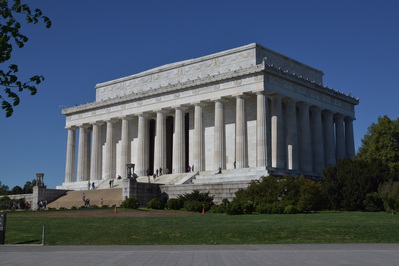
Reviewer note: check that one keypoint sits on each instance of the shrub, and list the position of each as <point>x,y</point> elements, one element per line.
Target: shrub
<point>273,208</point>
<point>373,202</point>
<point>219,208</point>
<point>155,203</point>
<point>174,204</point>
<point>390,196</point>
<point>247,207</point>
<point>225,202</point>
<point>193,206</point>
<point>193,198</point>
<point>130,203</point>
<point>234,208</point>
<point>290,209</point>
<point>196,195</point>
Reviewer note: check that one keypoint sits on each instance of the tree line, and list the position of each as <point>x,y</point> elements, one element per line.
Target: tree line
<point>26,189</point>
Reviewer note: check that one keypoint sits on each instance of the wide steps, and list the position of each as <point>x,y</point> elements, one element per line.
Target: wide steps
<point>109,197</point>
<point>229,175</point>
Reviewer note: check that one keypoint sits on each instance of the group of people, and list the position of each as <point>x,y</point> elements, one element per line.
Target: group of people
<point>42,205</point>
<point>16,205</point>
<point>156,173</point>
<point>190,168</point>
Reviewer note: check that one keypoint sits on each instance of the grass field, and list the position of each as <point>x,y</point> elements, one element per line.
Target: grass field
<point>323,227</point>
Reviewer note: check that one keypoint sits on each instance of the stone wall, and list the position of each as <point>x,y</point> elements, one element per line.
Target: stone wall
<point>144,192</point>
<point>218,190</point>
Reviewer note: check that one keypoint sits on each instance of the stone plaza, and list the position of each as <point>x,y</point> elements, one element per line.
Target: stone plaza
<point>233,116</point>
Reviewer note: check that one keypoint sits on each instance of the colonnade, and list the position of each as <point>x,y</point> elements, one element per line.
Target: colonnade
<point>290,135</point>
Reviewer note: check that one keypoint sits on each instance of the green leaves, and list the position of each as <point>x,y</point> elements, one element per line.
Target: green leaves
<point>382,142</point>
<point>11,36</point>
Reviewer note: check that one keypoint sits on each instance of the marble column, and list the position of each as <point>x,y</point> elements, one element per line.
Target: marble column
<point>339,136</point>
<point>329,139</point>
<point>125,147</point>
<point>70,155</point>
<point>87,153</point>
<point>241,134</point>
<point>178,142</point>
<point>349,137</point>
<point>219,136</point>
<point>292,135</point>
<point>198,145</point>
<point>83,162</point>
<point>109,164</point>
<point>142,148</point>
<point>305,153</point>
<point>317,141</point>
<point>277,134</point>
<point>261,129</point>
<point>96,152</point>
<point>160,142</point>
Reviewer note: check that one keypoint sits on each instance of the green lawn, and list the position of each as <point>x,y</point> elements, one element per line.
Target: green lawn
<point>324,227</point>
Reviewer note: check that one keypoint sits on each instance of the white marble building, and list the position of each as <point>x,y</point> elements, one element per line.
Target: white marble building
<point>248,110</point>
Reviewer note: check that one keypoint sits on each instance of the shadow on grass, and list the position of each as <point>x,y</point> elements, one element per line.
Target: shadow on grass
<point>35,241</point>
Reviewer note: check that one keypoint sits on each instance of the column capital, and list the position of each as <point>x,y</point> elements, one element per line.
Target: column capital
<point>328,112</point>
<point>72,127</point>
<point>112,120</point>
<point>86,126</point>
<point>98,123</point>
<point>219,99</point>
<point>315,108</point>
<point>163,111</point>
<point>349,118</point>
<point>275,96</point>
<point>180,107</point>
<point>126,117</point>
<point>303,104</point>
<point>338,116</point>
<point>289,100</point>
<point>260,91</point>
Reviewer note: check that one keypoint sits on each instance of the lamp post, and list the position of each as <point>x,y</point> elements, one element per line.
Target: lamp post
<point>39,179</point>
<point>130,173</point>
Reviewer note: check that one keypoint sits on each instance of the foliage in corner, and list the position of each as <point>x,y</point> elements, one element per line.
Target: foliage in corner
<point>11,36</point>
<point>348,183</point>
<point>382,143</point>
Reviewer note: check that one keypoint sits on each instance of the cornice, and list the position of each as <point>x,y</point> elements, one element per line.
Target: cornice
<point>209,79</point>
<point>283,73</point>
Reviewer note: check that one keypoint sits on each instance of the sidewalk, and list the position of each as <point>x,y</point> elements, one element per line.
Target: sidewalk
<point>231,255</point>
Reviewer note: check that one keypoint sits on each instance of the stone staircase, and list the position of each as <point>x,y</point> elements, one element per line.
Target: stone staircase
<point>110,196</point>
<point>169,179</point>
<point>230,175</point>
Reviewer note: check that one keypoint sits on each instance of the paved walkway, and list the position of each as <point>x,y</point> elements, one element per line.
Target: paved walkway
<point>363,254</point>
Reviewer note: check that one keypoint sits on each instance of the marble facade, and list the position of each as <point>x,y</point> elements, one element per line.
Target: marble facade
<point>246,110</point>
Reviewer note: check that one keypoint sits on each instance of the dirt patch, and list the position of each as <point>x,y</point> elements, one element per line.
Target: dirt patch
<point>106,213</point>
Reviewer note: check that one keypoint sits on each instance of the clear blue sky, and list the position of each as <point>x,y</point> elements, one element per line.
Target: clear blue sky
<point>354,42</point>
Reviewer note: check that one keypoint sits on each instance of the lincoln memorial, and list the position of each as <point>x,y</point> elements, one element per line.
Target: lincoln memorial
<point>236,115</point>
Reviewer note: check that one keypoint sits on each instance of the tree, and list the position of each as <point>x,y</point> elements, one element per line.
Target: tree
<point>382,143</point>
<point>10,36</point>
<point>348,183</point>
<point>3,189</point>
<point>28,187</point>
<point>16,190</point>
